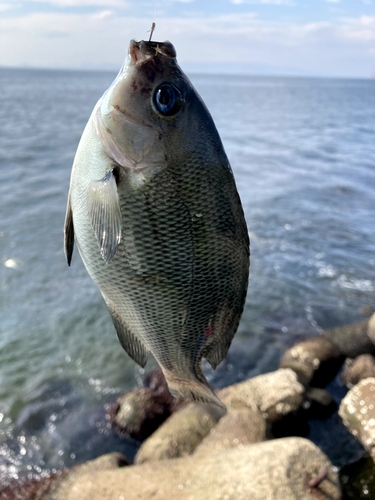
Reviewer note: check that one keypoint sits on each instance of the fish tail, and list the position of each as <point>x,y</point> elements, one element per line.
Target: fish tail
<point>191,388</point>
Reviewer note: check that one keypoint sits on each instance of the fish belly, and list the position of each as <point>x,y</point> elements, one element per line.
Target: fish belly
<point>178,280</point>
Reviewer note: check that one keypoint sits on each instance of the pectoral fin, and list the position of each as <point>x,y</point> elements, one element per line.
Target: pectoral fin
<point>105,214</point>
<point>68,233</point>
<point>132,345</point>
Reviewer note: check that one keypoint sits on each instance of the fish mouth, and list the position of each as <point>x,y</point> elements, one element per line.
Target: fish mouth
<point>140,52</point>
<point>108,113</point>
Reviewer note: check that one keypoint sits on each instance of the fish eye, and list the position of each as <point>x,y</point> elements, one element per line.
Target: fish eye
<point>167,99</point>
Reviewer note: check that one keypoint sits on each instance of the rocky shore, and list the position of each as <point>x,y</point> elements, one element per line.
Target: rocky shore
<point>253,450</point>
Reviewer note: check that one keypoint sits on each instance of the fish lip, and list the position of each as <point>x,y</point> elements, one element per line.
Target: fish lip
<point>142,51</point>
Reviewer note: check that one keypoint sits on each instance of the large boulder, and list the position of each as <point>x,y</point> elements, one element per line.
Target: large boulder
<point>274,394</point>
<point>353,340</point>
<point>239,427</point>
<point>56,486</point>
<point>316,361</point>
<point>361,367</point>
<point>282,469</point>
<point>138,413</point>
<point>181,433</point>
<point>357,411</point>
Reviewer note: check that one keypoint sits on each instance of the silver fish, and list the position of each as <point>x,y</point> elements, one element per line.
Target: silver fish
<point>158,222</point>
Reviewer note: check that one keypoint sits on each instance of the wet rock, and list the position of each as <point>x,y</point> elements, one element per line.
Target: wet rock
<point>31,490</point>
<point>237,428</point>
<point>360,368</point>
<point>181,433</point>
<point>274,394</point>
<point>358,479</point>
<point>353,340</point>
<point>318,403</point>
<point>112,461</point>
<point>55,486</point>
<point>138,413</point>
<point>283,469</point>
<point>367,310</point>
<point>357,411</point>
<point>316,361</point>
<point>371,328</point>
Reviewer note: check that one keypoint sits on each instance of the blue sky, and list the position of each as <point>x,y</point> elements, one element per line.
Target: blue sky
<point>283,37</point>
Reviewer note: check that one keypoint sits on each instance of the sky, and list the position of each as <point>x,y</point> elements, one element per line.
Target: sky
<point>331,38</point>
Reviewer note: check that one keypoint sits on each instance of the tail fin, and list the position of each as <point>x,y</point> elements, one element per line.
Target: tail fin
<point>191,389</point>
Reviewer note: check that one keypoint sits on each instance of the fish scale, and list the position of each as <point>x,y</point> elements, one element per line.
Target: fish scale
<point>159,224</point>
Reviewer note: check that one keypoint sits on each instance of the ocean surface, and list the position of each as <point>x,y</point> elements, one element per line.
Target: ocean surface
<point>303,154</point>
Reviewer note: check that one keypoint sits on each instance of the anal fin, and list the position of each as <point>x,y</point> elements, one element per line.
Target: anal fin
<point>69,233</point>
<point>132,345</point>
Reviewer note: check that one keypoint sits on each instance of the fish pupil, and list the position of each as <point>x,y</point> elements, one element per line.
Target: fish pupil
<point>167,99</point>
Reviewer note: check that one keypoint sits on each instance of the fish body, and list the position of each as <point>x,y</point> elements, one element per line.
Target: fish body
<point>158,222</point>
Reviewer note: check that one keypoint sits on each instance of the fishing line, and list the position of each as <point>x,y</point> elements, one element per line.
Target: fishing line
<point>153,21</point>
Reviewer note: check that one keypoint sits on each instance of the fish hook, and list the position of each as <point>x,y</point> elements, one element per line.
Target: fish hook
<point>151,31</point>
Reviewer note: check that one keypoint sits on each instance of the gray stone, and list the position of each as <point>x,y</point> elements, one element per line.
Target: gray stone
<point>57,485</point>
<point>111,461</point>
<point>138,413</point>
<point>318,403</point>
<point>360,368</point>
<point>316,361</point>
<point>181,433</point>
<point>353,340</point>
<point>282,469</point>
<point>357,411</point>
<point>273,394</point>
<point>239,427</point>
<point>371,328</point>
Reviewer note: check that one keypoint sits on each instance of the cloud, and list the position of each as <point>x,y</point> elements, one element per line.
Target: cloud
<point>84,3</point>
<point>5,6</point>
<point>242,40</point>
<point>103,14</point>
<point>360,29</point>
<point>269,2</point>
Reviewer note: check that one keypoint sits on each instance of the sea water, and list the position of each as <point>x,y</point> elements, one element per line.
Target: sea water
<point>303,155</point>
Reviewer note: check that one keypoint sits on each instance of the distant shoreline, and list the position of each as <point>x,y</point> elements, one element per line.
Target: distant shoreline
<point>194,72</point>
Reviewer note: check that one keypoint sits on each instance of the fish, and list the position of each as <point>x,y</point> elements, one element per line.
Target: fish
<point>154,211</point>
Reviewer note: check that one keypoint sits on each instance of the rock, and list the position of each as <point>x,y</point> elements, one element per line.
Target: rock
<point>36,489</point>
<point>318,403</point>
<point>360,368</point>
<point>107,462</point>
<point>273,394</point>
<point>316,361</point>
<point>353,340</point>
<point>371,328</point>
<point>55,486</point>
<point>367,310</point>
<point>181,433</point>
<point>282,469</point>
<point>357,411</point>
<point>138,413</point>
<point>239,427</point>
<point>358,479</point>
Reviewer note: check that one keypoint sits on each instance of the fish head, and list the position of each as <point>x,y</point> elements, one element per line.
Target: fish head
<point>151,114</point>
